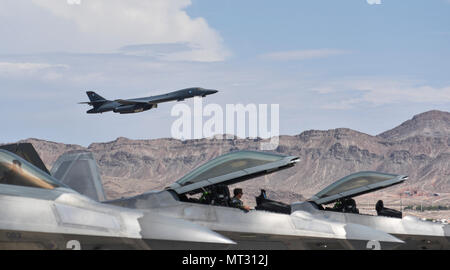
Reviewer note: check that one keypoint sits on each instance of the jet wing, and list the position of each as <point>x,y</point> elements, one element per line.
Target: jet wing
<point>151,100</point>
<point>131,101</point>
<point>148,100</point>
<point>357,184</point>
<point>232,168</point>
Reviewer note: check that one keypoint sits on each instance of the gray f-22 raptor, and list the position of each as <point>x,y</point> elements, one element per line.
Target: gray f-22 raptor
<point>209,221</point>
<point>136,105</point>
<point>39,212</point>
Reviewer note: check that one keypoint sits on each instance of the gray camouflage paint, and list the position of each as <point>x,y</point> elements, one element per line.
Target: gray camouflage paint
<point>33,218</point>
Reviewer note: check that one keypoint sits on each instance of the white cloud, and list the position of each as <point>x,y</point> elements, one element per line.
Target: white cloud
<point>104,26</point>
<point>166,52</point>
<point>380,91</point>
<point>13,69</point>
<point>374,2</point>
<point>345,104</point>
<point>302,54</point>
<point>74,2</point>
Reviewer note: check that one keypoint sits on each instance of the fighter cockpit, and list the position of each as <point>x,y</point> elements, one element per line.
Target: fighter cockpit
<point>15,170</point>
<point>343,190</point>
<point>212,178</point>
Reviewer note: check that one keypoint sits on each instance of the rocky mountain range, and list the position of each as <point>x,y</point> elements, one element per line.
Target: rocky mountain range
<point>419,147</point>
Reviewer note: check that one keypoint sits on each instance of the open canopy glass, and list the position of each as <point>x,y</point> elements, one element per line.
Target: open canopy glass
<point>232,168</point>
<point>15,170</point>
<point>357,184</point>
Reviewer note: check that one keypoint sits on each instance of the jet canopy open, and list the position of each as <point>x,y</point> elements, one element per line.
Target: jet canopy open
<point>27,152</point>
<point>15,170</point>
<point>232,168</point>
<point>357,184</point>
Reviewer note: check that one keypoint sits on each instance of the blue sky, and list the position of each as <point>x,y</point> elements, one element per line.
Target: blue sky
<point>328,64</point>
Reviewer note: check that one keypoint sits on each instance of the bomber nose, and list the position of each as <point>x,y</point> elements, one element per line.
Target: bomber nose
<point>211,91</point>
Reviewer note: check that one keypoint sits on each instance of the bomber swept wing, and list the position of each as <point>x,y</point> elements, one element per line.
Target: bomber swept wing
<point>137,101</point>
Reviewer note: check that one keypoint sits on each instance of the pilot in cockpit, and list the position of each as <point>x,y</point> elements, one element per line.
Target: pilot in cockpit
<point>346,205</point>
<point>236,201</point>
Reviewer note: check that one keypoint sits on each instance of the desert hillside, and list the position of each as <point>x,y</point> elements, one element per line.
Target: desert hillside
<point>419,147</point>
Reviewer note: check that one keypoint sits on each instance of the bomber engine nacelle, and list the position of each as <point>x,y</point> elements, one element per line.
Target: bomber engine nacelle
<point>134,108</point>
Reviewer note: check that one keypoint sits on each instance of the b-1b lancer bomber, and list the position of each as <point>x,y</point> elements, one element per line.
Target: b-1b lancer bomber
<point>136,105</point>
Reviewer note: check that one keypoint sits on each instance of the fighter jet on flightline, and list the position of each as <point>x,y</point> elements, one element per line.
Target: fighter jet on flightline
<point>39,212</point>
<point>256,229</point>
<point>136,105</point>
<point>272,225</point>
<point>302,225</point>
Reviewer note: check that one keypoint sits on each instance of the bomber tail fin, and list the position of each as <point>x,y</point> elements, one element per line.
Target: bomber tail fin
<point>95,99</point>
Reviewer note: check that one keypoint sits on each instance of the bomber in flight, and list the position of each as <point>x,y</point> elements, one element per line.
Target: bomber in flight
<point>136,105</point>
